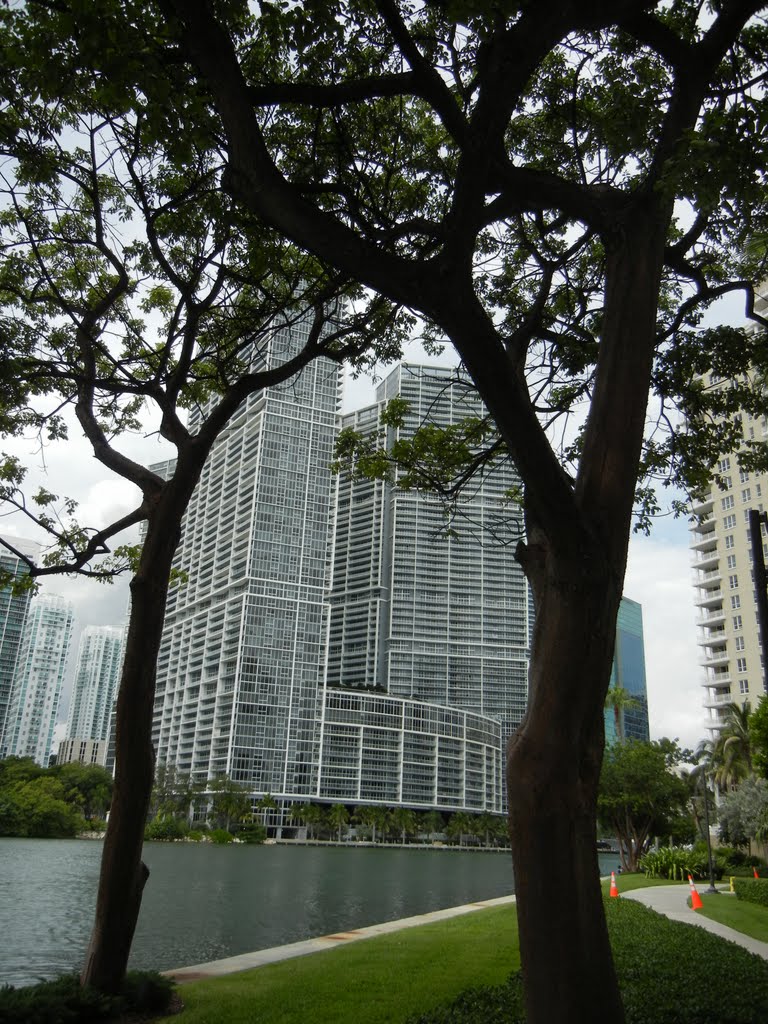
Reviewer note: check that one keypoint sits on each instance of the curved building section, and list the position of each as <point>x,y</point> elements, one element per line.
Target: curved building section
<point>379,749</point>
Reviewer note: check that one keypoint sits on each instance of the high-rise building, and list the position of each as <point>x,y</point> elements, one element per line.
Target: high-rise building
<point>38,679</point>
<point>421,611</point>
<point>241,662</point>
<point>13,615</point>
<point>628,673</point>
<point>721,550</point>
<point>97,675</point>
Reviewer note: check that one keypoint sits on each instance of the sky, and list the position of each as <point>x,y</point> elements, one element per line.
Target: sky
<point>658,575</point>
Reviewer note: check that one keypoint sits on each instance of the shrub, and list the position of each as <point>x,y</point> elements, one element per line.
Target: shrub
<point>195,835</point>
<point>64,1001</point>
<point>166,829</point>
<point>220,835</point>
<point>656,960</point>
<point>676,862</point>
<point>752,890</point>
<point>253,834</point>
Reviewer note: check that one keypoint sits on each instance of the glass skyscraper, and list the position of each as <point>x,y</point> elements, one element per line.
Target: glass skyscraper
<point>13,615</point>
<point>97,675</point>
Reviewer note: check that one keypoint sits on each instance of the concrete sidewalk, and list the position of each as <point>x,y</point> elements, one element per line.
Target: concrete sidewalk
<point>245,961</point>
<point>670,900</point>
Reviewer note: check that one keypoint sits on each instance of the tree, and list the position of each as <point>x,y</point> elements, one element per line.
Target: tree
<point>372,817</point>
<point>131,289</point>
<point>618,699</point>
<point>460,825</point>
<point>744,813</point>
<point>338,818</point>
<point>732,754</point>
<point>560,190</point>
<point>639,797</point>
<point>266,804</point>
<point>403,821</point>
<point>758,737</point>
<point>87,785</point>
<point>230,801</point>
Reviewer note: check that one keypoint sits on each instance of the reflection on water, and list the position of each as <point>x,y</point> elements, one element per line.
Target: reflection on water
<point>203,902</point>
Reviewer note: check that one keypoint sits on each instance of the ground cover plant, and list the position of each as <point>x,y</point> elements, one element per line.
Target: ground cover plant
<point>658,963</point>
<point>65,1001</point>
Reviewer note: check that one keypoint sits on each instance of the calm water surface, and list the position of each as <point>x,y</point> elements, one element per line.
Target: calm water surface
<point>204,902</point>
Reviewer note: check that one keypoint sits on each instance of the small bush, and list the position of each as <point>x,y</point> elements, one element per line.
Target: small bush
<point>166,829</point>
<point>253,834</point>
<point>752,890</point>
<point>64,1001</point>
<point>195,835</point>
<point>220,835</point>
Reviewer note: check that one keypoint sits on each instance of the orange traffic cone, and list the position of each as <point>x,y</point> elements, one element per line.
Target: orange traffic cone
<point>696,903</point>
<point>754,872</point>
<point>614,891</point>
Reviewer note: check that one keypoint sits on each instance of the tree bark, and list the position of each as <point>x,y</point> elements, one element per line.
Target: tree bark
<point>123,874</point>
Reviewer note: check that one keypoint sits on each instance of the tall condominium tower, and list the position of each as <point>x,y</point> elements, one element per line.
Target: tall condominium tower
<point>38,678</point>
<point>419,611</point>
<point>241,663</point>
<point>13,615</point>
<point>97,674</point>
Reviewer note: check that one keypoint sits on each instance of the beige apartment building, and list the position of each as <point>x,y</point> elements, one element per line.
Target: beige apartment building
<point>731,657</point>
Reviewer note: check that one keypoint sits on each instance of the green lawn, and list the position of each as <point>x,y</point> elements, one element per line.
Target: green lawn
<point>627,882</point>
<point>748,918</point>
<point>377,980</point>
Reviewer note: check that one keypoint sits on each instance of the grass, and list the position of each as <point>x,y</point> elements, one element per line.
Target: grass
<point>375,981</point>
<point>749,918</point>
<point>627,882</point>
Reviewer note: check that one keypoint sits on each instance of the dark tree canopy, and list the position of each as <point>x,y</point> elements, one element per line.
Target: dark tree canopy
<point>562,190</point>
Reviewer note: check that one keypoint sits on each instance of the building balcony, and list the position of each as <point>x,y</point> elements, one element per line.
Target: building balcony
<point>720,680</point>
<point>716,617</point>
<point>712,638</point>
<point>707,598</point>
<point>714,659</point>
<point>707,578</point>
<point>702,505</point>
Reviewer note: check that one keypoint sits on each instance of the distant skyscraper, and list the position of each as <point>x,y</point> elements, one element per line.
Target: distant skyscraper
<point>241,663</point>
<point>13,614</point>
<point>417,610</point>
<point>38,678</point>
<point>628,672</point>
<point>97,674</point>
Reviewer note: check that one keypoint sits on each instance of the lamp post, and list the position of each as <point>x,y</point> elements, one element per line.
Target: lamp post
<point>711,888</point>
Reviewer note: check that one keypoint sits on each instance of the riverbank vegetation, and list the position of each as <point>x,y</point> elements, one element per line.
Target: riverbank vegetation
<point>52,803</point>
<point>658,963</point>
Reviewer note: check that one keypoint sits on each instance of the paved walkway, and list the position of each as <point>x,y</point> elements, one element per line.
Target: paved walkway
<point>670,900</point>
<point>246,961</point>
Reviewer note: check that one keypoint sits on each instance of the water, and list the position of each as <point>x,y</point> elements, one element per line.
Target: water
<point>204,902</point>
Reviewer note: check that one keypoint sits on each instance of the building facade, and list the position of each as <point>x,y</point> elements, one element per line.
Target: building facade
<point>241,663</point>
<point>628,674</point>
<point>731,655</point>
<point>37,682</point>
<point>97,676</point>
<point>13,615</point>
<point>417,610</point>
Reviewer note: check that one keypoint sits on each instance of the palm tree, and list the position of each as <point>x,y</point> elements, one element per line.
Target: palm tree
<point>620,700</point>
<point>732,755</point>
<point>338,817</point>
<point>265,805</point>
<point>461,824</point>
<point>403,821</point>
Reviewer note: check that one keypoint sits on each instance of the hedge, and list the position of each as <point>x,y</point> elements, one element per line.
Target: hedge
<point>752,890</point>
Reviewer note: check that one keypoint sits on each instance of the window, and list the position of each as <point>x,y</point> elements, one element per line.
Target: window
<point>731,560</point>
<point>741,664</point>
<point>727,502</point>
<point>736,602</point>
<point>739,643</point>
<point>746,494</point>
<point>743,686</point>
<point>737,622</point>
<point>743,476</point>
<point>724,465</point>
<point>729,522</point>
<point>729,541</point>
<point>726,483</point>
<point>733,581</point>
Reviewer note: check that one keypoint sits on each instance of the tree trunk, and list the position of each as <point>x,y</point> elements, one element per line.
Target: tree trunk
<point>123,875</point>
<point>553,769</point>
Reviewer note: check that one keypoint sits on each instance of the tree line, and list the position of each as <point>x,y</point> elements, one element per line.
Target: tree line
<point>53,803</point>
